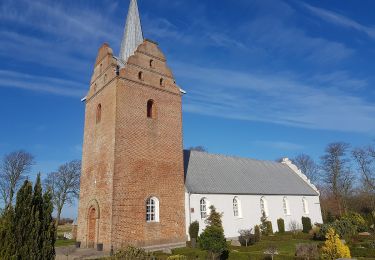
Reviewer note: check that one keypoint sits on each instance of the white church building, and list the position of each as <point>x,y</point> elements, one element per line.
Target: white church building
<point>242,189</point>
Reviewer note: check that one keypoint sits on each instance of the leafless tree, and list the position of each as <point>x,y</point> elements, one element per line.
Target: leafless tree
<point>12,172</point>
<point>365,162</point>
<point>337,173</point>
<point>199,148</point>
<point>308,166</point>
<point>64,185</point>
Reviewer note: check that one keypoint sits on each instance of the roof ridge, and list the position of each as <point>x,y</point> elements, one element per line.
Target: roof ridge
<point>234,157</point>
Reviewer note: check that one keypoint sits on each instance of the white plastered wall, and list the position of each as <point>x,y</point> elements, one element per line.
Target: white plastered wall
<point>250,210</point>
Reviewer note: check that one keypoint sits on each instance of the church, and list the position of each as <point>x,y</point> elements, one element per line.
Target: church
<point>140,187</point>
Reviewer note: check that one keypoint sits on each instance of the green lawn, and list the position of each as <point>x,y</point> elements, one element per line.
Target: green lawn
<point>62,243</point>
<point>286,245</point>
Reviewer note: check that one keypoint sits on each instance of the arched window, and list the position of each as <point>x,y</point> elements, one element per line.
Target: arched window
<point>99,113</point>
<point>105,78</point>
<point>161,82</point>
<point>140,75</point>
<point>237,207</point>
<point>203,208</point>
<point>263,207</point>
<point>101,68</point>
<point>152,210</point>
<point>151,63</point>
<point>151,109</point>
<point>305,205</point>
<point>286,206</point>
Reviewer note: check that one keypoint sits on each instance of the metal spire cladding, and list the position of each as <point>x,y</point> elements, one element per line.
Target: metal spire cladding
<point>133,35</point>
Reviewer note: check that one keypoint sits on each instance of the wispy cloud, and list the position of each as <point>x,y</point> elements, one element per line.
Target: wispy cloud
<point>280,145</point>
<point>340,20</point>
<point>56,86</point>
<point>280,99</point>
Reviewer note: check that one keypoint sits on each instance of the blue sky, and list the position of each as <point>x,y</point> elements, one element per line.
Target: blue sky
<point>265,78</point>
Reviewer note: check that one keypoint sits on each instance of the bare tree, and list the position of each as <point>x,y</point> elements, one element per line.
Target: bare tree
<point>337,174</point>
<point>308,166</point>
<point>198,148</point>
<point>365,162</point>
<point>64,185</point>
<point>12,173</point>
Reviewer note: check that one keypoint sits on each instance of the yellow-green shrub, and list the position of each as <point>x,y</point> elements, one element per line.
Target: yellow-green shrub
<point>177,257</point>
<point>333,248</point>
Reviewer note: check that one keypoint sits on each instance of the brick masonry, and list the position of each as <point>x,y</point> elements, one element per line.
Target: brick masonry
<point>128,157</point>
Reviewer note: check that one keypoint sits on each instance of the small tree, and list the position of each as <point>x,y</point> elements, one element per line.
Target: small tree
<point>193,232</point>
<point>246,237</point>
<point>281,225</point>
<point>265,226</point>
<point>257,234</point>
<point>306,224</point>
<point>212,238</point>
<point>294,227</point>
<point>333,248</point>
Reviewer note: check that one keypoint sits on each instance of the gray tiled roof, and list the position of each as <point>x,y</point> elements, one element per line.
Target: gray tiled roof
<point>218,174</point>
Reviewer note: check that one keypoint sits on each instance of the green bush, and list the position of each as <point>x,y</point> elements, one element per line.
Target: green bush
<point>344,228</point>
<point>246,237</point>
<point>357,220</point>
<point>212,238</point>
<point>306,224</point>
<point>265,226</point>
<point>257,235</point>
<point>281,225</point>
<point>194,230</point>
<point>133,253</point>
<point>191,253</point>
<point>177,257</point>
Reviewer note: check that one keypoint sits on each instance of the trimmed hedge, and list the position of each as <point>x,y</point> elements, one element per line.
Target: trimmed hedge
<point>281,225</point>
<point>306,224</point>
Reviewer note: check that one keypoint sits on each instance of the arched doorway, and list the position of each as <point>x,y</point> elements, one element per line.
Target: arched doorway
<point>92,227</point>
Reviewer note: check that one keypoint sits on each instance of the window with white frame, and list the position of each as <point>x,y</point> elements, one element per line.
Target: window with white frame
<point>203,208</point>
<point>263,206</point>
<point>305,205</point>
<point>236,207</point>
<point>286,208</point>
<point>152,210</point>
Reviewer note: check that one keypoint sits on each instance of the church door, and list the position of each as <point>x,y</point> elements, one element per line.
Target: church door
<point>91,227</point>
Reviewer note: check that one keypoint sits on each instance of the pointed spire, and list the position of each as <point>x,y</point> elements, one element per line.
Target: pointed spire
<point>133,35</point>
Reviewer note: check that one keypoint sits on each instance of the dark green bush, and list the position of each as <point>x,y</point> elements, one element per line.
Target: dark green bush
<point>306,224</point>
<point>269,228</point>
<point>194,230</point>
<point>281,225</point>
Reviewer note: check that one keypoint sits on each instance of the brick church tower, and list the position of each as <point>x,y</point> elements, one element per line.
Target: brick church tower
<point>132,183</point>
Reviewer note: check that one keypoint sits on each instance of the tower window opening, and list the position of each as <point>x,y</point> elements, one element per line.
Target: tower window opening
<point>151,63</point>
<point>140,75</point>
<point>99,113</point>
<point>105,78</point>
<point>150,109</point>
<point>161,82</point>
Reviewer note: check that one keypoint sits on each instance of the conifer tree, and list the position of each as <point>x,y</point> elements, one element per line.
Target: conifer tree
<point>23,221</point>
<point>49,228</point>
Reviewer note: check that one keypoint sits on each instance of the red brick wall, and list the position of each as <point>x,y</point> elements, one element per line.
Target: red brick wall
<point>131,156</point>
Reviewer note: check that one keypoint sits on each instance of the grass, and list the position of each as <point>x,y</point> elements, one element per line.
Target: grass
<point>63,243</point>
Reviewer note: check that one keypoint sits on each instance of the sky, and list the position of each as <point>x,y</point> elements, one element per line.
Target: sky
<point>264,78</point>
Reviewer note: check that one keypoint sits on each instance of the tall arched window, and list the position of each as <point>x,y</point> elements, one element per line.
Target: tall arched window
<point>305,205</point>
<point>152,210</point>
<point>237,207</point>
<point>161,82</point>
<point>286,206</point>
<point>151,63</point>
<point>263,207</point>
<point>151,109</point>
<point>140,75</point>
<point>98,113</point>
<point>203,208</point>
